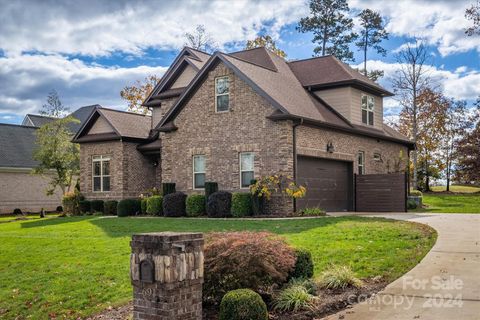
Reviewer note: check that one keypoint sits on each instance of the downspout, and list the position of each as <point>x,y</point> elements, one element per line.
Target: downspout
<point>294,133</point>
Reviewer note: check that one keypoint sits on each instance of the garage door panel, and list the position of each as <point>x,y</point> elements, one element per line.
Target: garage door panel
<point>328,182</point>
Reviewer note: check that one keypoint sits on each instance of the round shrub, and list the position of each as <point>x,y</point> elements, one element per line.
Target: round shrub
<point>303,265</point>
<point>154,205</point>
<point>416,193</point>
<point>17,212</point>
<point>84,205</point>
<point>110,207</point>
<point>241,204</point>
<point>59,209</point>
<point>243,304</point>
<point>219,204</point>
<point>195,205</point>
<point>411,204</point>
<point>128,207</point>
<point>174,204</point>
<point>210,187</point>
<point>97,205</point>
<point>235,260</point>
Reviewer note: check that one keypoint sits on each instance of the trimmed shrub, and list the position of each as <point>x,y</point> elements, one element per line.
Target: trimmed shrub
<point>411,204</point>
<point>17,212</point>
<point>195,205</point>
<point>71,201</point>
<point>97,205</point>
<point>85,206</point>
<point>416,193</point>
<point>143,205</point>
<point>154,205</point>
<point>210,187</point>
<point>339,277</point>
<point>241,204</point>
<point>303,265</point>
<point>59,209</point>
<point>128,207</point>
<point>174,204</point>
<point>167,188</point>
<point>219,204</point>
<point>235,260</point>
<point>243,304</point>
<point>312,212</point>
<point>293,298</point>
<point>110,207</point>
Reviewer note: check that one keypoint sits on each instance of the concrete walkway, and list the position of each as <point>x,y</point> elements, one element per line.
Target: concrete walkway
<point>444,285</point>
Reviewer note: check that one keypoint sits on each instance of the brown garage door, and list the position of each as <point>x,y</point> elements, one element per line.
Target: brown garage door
<point>329,184</point>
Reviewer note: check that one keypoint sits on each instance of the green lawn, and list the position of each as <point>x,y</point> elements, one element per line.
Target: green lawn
<point>451,203</point>
<point>74,267</point>
<point>456,188</point>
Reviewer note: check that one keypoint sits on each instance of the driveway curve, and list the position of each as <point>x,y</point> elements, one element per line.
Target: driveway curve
<point>444,285</point>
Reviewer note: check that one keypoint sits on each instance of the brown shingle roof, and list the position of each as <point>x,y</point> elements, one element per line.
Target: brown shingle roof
<point>127,124</point>
<point>328,70</point>
<point>257,56</point>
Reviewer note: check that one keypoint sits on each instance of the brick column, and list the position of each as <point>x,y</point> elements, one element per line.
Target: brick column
<point>166,270</point>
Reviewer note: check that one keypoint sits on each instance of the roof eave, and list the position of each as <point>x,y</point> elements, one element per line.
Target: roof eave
<point>351,82</point>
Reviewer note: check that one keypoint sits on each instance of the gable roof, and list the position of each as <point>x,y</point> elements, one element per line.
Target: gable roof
<point>328,71</point>
<point>36,120</point>
<point>17,144</point>
<point>127,125</point>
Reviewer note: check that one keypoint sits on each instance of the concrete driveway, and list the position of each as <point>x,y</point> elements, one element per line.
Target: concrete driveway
<point>444,285</point>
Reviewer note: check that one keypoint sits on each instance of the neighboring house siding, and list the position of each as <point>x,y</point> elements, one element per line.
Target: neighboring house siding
<point>130,172</point>
<point>101,126</point>
<point>23,190</point>
<point>184,78</point>
<point>222,136</point>
<point>312,141</point>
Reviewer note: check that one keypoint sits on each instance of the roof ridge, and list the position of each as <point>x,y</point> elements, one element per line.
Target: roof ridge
<point>120,111</point>
<point>17,125</point>
<point>39,115</point>
<point>250,62</point>
<point>312,58</point>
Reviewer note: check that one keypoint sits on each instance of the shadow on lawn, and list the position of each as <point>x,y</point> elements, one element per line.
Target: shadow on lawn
<point>45,222</point>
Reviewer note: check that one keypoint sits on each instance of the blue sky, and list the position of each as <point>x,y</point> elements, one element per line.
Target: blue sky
<point>89,50</point>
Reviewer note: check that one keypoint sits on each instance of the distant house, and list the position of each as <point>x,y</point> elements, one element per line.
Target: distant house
<point>234,117</point>
<point>18,187</point>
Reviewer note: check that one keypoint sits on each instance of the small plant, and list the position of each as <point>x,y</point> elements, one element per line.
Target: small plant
<point>219,204</point>
<point>411,204</point>
<point>303,265</point>
<point>85,206</point>
<point>59,209</point>
<point>97,205</point>
<point>210,187</point>
<point>313,212</point>
<point>308,284</point>
<point>243,304</point>
<point>128,207</point>
<point>167,188</point>
<point>416,193</point>
<point>17,212</point>
<point>110,207</point>
<point>174,204</point>
<point>265,186</point>
<point>195,205</point>
<point>241,204</point>
<point>339,277</point>
<point>143,204</point>
<point>154,205</point>
<point>293,298</point>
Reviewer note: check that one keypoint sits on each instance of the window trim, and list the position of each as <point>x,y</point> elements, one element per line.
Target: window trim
<point>199,172</point>
<point>361,172</point>
<point>101,159</point>
<point>240,167</point>
<point>367,110</point>
<point>221,94</point>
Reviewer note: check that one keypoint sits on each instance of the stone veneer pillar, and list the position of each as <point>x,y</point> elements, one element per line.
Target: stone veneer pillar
<point>166,271</point>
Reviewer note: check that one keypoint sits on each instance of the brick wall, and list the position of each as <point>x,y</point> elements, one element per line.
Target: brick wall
<point>222,136</point>
<point>312,141</point>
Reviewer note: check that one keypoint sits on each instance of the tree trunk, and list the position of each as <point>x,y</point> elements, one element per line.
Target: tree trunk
<point>427,177</point>
<point>365,53</point>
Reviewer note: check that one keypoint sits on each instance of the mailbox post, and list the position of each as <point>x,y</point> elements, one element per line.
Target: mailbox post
<point>166,270</point>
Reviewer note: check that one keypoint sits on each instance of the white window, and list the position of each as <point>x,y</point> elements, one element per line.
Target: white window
<point>368,109</point>
<point>361,162</point>
<point>246,168</point>
<point>101,173</point>
<point>222,96</point>
<point>199,172</point>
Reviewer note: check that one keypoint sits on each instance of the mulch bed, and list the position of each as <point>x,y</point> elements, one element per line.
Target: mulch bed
<point>329,302</point>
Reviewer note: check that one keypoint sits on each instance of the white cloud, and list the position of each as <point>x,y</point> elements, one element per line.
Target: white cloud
<point>27,79</point>
<point>440,23</point>
<point>102,27</point>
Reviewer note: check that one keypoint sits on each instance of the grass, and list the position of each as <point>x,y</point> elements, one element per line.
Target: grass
<point>451,203</point>
<point>77,266</point>
<point>456,189</point>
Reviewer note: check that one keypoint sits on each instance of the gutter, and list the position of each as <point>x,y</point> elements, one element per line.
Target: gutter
<point>294,133</point>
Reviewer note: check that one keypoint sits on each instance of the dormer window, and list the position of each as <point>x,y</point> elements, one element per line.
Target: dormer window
<point>222,94</point>
<point>368,109</point>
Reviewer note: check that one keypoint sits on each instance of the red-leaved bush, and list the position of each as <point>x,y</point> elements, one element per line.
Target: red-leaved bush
<point>254,260</point>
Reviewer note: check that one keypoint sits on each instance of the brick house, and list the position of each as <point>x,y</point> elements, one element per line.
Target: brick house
<point>233,117</point>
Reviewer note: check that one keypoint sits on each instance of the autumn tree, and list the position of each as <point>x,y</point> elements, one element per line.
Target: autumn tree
<point>137,93</point>
<point>432,107</point>
<point>473,13</point>
<point>410,80</point>
<point>372,34</point>
<point>54,107</point>
<point>267,42</point>
<point>331,28</point>
<point>200,39</point>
